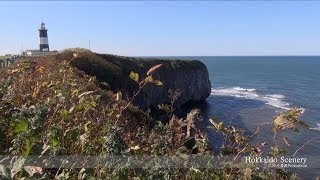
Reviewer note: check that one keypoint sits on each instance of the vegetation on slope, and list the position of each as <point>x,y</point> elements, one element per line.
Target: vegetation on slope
<point>49,107</point>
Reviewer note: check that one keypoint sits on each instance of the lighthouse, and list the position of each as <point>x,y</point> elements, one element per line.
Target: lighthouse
<point>44,43</point>
<point>43,46</point>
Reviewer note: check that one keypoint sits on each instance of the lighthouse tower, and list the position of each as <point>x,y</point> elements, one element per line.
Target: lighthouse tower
<point>44,44</point>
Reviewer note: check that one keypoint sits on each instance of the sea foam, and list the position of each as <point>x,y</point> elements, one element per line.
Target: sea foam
<point>317,128</point>
<point>275,100</point>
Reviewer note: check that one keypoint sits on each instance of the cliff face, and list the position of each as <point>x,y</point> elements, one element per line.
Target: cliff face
<point>189,76</point>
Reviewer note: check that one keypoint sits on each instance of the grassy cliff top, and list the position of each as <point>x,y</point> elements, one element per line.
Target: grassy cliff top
<point>111,68</point>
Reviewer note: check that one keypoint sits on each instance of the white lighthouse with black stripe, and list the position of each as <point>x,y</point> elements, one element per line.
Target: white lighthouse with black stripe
<point>44,43</point>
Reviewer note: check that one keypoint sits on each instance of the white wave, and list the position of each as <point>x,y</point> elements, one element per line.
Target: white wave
<point>275,100</point>
<point>317,128</point>
<point>275,96</point>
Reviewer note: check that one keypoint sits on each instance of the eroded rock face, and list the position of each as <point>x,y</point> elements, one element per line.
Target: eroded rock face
<point>189,76</point>
<point>193,83</point>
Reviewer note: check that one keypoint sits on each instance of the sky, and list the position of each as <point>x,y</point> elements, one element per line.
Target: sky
<point>163,28</point>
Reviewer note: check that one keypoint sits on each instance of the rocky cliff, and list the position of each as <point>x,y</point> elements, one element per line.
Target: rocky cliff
<point>189,76</point>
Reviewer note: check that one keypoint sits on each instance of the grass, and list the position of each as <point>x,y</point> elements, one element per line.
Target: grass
<point>3,57</point>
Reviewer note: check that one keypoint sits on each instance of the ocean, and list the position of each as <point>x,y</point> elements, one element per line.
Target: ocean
<point>250,91</point>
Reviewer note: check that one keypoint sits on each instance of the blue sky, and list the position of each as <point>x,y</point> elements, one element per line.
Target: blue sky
<point>165,28</point>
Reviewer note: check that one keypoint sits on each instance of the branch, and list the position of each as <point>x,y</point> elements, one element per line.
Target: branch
<point>235,158</point>
<point>303,146</point>
<point>130,101</point>
<point>258,128</point>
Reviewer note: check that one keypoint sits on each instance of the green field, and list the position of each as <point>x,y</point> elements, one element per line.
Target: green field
<point>3,57</point>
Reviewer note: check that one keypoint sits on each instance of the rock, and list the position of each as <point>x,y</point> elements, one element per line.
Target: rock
<point>189,76</point>
<point>194,122</point>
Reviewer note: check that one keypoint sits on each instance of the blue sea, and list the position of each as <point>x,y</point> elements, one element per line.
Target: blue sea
<point>250,91</point>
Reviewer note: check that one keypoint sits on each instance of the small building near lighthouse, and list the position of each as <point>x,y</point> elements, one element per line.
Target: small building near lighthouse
<point>43,44</point>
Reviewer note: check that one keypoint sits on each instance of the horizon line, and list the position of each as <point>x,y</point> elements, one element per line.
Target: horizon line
<point>224,55</point>
<point>250,55</point>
